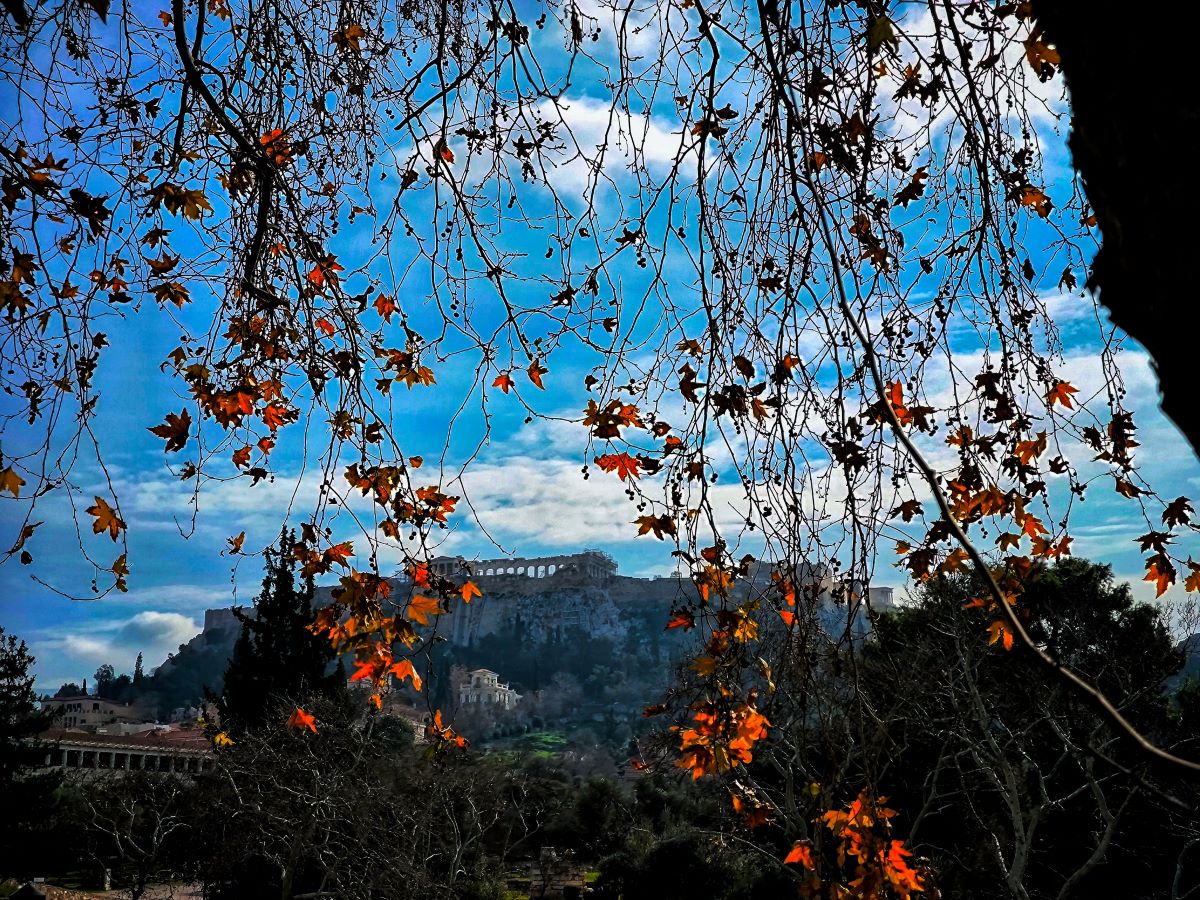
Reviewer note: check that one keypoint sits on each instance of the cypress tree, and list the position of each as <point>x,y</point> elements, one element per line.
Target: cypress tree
<point>26,795</point>
<point>277,662</point>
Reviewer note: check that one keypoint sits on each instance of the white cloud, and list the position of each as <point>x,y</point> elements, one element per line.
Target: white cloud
<point>76,654</point>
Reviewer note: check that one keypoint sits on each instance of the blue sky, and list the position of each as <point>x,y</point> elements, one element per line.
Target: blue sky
<point>524,485</point>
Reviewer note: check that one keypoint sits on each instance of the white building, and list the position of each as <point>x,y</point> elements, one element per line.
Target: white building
<point>483,686</point>
<point>88,713</point>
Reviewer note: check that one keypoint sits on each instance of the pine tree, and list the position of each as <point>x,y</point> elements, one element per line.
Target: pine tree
<point>277,662</point>
<point>138,674</point>
<point>25,795</point>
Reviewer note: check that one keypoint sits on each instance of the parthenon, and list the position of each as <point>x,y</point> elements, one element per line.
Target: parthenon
<point>590,564</point>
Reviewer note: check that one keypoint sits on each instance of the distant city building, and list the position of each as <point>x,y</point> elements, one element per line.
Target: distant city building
<point>87,713</point>
<point>483,686</point>
<point>159,750</point>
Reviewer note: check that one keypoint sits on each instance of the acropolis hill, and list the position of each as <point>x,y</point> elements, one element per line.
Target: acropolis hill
<point>539,596</point>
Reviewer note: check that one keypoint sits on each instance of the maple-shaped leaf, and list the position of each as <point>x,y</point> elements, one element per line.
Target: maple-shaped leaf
<point>1192,583</point>
<point>175,430</point>
<point>955,561</point>
<point>1160,573</point>
<point>1127,488</point>
<point>349,38</point>
<point>241,456</point>
<point>1037,200</point>
<point>800,853</point>
<point>1042,58</point>
<point>1178,512</point>
<point>192,203</point>
<point>1027,451</point>
<point>339,554</point>
<point>1000,632</point>
<point>325,271</point>
<point>235,544</point>
<point>276,415</point>
<point>421,608</point>
<point>385,305</point>
<point>626,466</point>
<point>535,372</point>
<point>907,510</point>
<point>470,589</point>
<point>1008,541</point>
<point>1061,393</point>
<point>12,482</point>
<point>106,518</point>
<point>660,525</point>
<point>404,669</point>
<point>276,146</point>
<point>300,720</point>
<point>504,382</point>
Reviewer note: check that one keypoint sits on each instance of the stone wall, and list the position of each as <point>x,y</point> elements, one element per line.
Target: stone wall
<point>555,875</point>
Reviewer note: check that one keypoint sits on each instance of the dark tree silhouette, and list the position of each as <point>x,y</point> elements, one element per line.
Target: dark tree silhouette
<point>277,660</point>
<point>25,796</point>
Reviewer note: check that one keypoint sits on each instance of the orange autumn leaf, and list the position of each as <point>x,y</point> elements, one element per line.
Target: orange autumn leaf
<point>1160,573</point>
<point>442,149</point>
<point>1037,200</point>
<point>626,466</point>
<point>1061,393</point>
<point>800,853</point>
<point>470,589</point>
<point>235,544</point>
<point>421,608</point>
<point>504,382</point>
<point>385,305</point>
<point>1192,583</point>
<point>1000,632</point>
<point>438,731</point>
<point>12,482</point>
<point>535,372</point>
<point>681,618</point>
<point>275,416</point>
<point>301,720</point>
<point>339,553</point>
<point>324,271</point>
<point>349,37</point>
<point>277,147</point>
<point>106,519</point>
<point>404,669</point>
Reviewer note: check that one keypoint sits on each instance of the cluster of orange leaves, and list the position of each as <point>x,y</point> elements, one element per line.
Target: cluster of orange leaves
<point>878,865</point>
<point>357,621</point>
<point>721,737</point>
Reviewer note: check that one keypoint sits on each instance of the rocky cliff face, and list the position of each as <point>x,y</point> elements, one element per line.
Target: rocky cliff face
<point>543,609</point>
